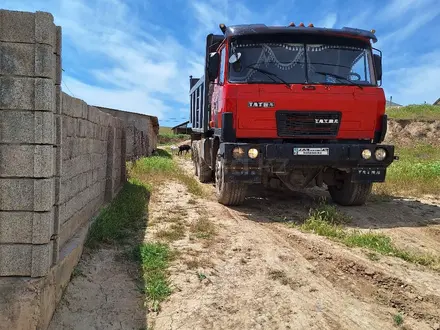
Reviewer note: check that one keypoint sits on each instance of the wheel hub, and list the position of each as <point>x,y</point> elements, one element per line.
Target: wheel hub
<point>218,175</point>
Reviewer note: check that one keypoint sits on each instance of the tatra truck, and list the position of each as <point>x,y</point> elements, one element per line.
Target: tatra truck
<point>298,105</point>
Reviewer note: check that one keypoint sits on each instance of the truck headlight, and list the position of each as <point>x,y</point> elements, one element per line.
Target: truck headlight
<point>253,153</point>
<point>380,154</point>
<point>237,152</point>
<point>366,154</point>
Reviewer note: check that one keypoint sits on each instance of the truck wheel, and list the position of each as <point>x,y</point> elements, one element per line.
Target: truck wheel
<point>228,193</point>
<point>350,194</point>
<point>194,157</point>
<point>201,169</point>
<point>204,171</point>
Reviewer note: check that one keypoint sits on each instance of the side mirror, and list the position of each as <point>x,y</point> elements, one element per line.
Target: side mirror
<point>213,66</point>
<point>378,66</point>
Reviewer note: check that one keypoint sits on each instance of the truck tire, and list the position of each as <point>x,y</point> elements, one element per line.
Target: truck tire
<point>350,194</point>
<point>228,193</point>
<point>204,171</point>
<point>194,156</point>
<point>201,169</point>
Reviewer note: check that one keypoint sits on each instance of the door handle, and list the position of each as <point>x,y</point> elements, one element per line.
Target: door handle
<point>308,87</point>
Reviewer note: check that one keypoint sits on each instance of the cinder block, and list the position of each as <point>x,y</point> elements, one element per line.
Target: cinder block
<point>70,125</point>
<point>45,30</point>
<point>26,160</point>
<point>17,26</point>
<point>17,93</point>
<point>58,130</point>
<point>58,72</point>
<point>42,227</point>
<point>17,194</point>
<point>90,178</point>
<point>57,161</point>
<point>44,198</point>
<point>15,260</point>
<point>16,227</point>
<point>41,259</point>
<point>17,59</point>
<point>55,250</point>
<point>44,95</point>
<point>56,219</point>
<point>26,194</point>
<point>44,126</point>
<point>57,190</point>
<point>59,40</point>
<point>93,114</point>
<point>73,107</point>
<point>67,149</point>
<point>58,99</point>
<point>45,62</point>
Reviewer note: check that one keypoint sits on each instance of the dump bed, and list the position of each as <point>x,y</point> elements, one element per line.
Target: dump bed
<point>200,104</point>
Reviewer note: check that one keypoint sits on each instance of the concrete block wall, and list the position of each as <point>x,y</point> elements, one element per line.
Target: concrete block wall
<point>141,132</point>
<point>91,163</point>
<point>61,160</point>
<point>29,73</point>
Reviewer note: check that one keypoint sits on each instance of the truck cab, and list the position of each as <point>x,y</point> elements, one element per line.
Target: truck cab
<point>299,105</point>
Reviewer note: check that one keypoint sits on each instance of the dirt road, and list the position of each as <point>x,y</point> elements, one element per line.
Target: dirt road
<point>254,272</point>
<point>260,274</point>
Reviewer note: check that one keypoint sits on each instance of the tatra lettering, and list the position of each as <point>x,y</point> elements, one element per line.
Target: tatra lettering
<point>326,121</point>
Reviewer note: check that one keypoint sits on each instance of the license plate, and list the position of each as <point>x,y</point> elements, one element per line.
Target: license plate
<point>311,151</point>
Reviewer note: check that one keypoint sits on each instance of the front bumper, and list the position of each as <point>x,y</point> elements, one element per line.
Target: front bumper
<point>282,158</point>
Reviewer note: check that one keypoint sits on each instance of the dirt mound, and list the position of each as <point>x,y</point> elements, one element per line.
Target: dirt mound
<point>405,132</point>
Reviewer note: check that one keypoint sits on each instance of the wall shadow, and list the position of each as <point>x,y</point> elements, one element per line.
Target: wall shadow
<point>107,286</point>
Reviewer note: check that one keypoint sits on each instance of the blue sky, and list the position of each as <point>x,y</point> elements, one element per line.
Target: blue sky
<point>137,55</point>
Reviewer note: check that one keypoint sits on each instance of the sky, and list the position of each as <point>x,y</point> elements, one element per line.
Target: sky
<point>137,55</point>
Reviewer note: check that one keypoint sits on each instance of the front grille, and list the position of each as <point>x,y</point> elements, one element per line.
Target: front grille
<point>303,124</point>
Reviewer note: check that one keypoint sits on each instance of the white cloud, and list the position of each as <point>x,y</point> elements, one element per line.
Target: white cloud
<point>417,83</point>
<point>329,21</point>
<point>398,8</point>
<point>414,24</point>
<point>133,100</point>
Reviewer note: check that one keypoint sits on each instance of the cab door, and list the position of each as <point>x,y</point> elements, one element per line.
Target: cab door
<point>217,89</point>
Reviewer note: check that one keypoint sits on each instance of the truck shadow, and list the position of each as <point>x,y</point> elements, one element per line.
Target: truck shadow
<point>263,205</point>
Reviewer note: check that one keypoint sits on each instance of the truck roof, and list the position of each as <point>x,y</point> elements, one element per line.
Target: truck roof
<point>250,29</point>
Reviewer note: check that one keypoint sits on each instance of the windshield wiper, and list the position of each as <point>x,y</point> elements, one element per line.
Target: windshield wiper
<point>339,77</point>
<point>269,74</point>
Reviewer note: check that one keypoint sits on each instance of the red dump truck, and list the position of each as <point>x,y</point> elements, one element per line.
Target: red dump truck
<point>297,105</point>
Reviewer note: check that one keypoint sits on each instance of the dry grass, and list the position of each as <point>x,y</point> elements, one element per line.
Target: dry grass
<point>198,262</point>
<point>174,232</point>
<point>158,169</point>
<point>415,112</point>
<point>327,221</point>
<point>203,228</point>
<point>416,173</point>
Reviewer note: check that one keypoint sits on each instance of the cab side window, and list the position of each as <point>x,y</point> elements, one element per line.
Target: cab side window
<point>221,78</point>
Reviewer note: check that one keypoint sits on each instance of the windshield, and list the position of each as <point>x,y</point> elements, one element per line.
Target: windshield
<point>298,63</point>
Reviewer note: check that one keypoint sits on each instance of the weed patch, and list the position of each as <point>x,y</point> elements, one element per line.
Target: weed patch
<point>174,232</point>
<point>161,167</point>
<point>122,218</point>
<point>203,228</point>
<point>155,259</point>
<point>398,319</point>
<point>327,221</point>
